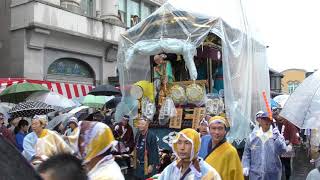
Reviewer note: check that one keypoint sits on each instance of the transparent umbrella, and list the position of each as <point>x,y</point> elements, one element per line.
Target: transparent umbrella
<point>281,99</point>
<point>52,98</point>
<point>303,106</point>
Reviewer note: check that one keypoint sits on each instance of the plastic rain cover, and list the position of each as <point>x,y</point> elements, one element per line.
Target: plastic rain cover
<point>180,26</point>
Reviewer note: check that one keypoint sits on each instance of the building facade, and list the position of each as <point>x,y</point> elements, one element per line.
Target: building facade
<point>291,80</point>
<point>72,41</point>
<point>275,82</point>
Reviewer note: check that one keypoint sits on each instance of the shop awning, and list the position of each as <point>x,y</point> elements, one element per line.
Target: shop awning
<point>68,90</point>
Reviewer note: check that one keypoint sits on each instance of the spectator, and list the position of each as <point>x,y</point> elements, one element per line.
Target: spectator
<point>147,155</point>
<point>261,157</point>
<point>62,167</point>
<point>21,131</point>
<point>5,132</point>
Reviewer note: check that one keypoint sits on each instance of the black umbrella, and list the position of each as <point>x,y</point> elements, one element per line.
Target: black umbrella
<point>31,108</point>
<point>13,166</point>
<point>113,103</point>
<point>105,90</point>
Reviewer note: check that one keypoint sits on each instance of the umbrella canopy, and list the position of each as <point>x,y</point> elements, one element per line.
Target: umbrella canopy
<point>19,92</point>
<point>274,104</point>
<point>31,108</point>
<point>5,108</point>
<point>105,90</point>
<point>78,109</point>
<point>281,99</point>
<point>96,101</point>
<point>52,98</point>
<point>13,165</point>
<point>63,118</point>
<point>303,106</point>
<point>113,103</point>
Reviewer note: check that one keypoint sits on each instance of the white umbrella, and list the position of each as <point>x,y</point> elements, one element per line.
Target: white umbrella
<point>303,106</point>
<point>52,98</point>
<point>5,108</point>
<point>77,109</point>
<point>281,99</point>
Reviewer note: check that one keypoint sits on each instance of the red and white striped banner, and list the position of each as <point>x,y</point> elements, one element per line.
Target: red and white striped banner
<point>68,90</point>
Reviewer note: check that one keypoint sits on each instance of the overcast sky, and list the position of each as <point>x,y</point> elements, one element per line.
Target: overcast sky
<point>292,30</point>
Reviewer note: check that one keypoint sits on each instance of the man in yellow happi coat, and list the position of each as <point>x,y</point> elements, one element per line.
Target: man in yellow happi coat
<point>220,154</point>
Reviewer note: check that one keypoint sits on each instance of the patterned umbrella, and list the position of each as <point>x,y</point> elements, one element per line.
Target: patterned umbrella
<point>19,92</point>
<point>31,108</point>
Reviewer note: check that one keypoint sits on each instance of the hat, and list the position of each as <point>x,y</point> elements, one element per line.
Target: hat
<point>264,115</point>
<point>219,119</point>
<point>42,118</point>
<point>144,118</point>
<point>259,114</point>
<point>73,120</point>
<point>126,117</point>
<point>192,136</point>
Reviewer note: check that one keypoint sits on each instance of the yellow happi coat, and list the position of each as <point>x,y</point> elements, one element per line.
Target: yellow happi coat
<point>226,161</point>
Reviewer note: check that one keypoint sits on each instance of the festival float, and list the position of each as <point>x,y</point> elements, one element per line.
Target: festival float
<point>186,61</point>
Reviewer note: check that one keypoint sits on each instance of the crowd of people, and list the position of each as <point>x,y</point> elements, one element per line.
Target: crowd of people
<point>91,149</point>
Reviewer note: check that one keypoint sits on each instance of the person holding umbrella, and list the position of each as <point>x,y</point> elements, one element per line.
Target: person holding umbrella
<point>42,143</point>
<point>5,132</point>
<point>261,156</point>
<point>73,126</point>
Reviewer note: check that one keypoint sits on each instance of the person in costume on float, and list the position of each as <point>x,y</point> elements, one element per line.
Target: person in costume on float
<point>220,154</point>
<point>261,157</point>
<point>188,165</point>
<point>162,76</point>
<point>146,151</point>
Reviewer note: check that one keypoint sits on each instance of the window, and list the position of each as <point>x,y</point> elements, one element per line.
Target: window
<point>86,7</point>
<point>292,86</point>
<point>146,11</point>
<point>133,13</point>
<point>70,67</point>
<point>123,10</point>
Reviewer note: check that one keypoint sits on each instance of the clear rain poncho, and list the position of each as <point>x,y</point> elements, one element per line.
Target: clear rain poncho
<point>180,26</point>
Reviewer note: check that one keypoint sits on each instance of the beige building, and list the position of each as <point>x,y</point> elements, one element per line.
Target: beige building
<point>291,79</point>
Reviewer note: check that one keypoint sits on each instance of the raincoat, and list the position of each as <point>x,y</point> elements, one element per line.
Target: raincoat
<point>262,155</point>
<point>92,140</point>
<point>198,168</point>
<point>47,144</point>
